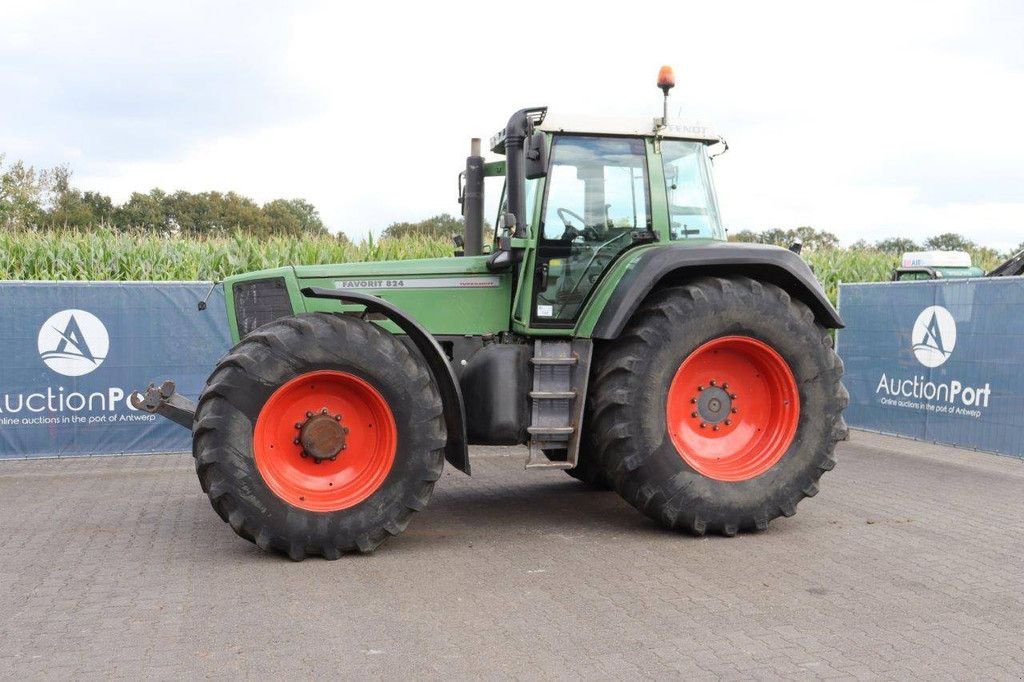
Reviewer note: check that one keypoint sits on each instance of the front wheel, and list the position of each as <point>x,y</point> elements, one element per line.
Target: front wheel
<point>319,434</point>
<point>718,408</point>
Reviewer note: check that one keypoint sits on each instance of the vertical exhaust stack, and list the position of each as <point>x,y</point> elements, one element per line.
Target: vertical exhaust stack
<point>473,201</point>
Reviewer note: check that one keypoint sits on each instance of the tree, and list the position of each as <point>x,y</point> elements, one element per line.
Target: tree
<point>861,245</point>
<point>443,225</point>
<point>949,241</point>
<point>214,213</point>
<point>69,207</point>
<point>811,238</point>
<point>100,205</point>
<point>21,194</point>
<point>777,236</point>
<point>747,236</point>
<point>816,239</point>
<point>293,217</point>
<point>897,245</point>
<point>143,212</point>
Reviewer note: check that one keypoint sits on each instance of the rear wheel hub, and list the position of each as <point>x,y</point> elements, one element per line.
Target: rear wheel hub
<point>713,405</point>
<point>732,408</point>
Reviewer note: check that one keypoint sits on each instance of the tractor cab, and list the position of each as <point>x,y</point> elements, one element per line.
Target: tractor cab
<point>591,190</point>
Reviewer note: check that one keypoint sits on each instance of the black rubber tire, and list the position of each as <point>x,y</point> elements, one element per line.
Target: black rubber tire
<point>586,470</point>
<point>630,385</point>
<point>222,437</point>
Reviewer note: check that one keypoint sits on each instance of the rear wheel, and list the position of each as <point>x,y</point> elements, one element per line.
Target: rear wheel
<point>719,406</point>
<point>319,434</point>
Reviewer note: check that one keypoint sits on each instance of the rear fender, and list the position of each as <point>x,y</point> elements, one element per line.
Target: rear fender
<point>457,449</point>
<point>665,265</point>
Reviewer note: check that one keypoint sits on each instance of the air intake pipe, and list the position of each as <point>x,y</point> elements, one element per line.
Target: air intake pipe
<point>519,127</point>
<point>518,130</point>
<point>473,201</point>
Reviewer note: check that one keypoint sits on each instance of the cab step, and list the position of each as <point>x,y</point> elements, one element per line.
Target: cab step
<point>551,430</point>
<point>552,395</point>
<point>560,372</point>
<point>545,463</point>
<point>569,360</point>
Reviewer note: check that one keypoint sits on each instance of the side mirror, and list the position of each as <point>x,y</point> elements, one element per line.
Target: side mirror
<point>536,156</point>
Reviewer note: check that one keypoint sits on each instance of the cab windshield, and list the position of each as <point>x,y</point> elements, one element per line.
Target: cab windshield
<point>692,210</point>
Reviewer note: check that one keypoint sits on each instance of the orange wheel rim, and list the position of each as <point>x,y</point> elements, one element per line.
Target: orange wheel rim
<point>733,408</point>
<point>325,441</point>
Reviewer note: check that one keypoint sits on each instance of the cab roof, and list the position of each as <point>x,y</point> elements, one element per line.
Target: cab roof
<point>597,125</point>
<point>600,125</point>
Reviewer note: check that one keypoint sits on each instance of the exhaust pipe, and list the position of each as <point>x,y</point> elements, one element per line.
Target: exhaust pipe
<point>473,201</point>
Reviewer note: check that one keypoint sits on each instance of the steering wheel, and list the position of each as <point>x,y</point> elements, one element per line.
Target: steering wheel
<point>571,232</point>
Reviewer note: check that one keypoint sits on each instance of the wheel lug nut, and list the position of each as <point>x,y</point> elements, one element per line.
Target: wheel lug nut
<point>733,410</point>
<point>344,429</point>
<point>693,414</point>
<point>298,425</point>
<point>713,382</point>
<point>337,418</point>
<point>296,441</point>
<point>693,400</point>
<point>715,427</point>
<point>728,422</point>
<point>702,425</point>
<point>309,414</point>
<point>700,388</point>
<point>733,396</point>
<point>323,411</point>
<point>725,386</point>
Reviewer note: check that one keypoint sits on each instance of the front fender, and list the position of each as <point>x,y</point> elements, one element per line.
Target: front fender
<point>456,449</point>
<point>670,263</point>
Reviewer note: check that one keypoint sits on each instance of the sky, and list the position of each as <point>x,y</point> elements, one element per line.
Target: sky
<point>868,119</point>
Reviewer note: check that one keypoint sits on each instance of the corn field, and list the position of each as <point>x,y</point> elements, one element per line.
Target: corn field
<point>104,254</point>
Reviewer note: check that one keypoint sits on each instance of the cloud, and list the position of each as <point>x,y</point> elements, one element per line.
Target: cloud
<point>119,82</point>
<point>869,120</point>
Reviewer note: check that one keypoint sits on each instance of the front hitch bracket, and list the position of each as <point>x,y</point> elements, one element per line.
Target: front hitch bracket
<point>164,401</point>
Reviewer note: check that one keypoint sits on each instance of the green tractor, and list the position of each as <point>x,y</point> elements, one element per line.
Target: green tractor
<point>608,325</point>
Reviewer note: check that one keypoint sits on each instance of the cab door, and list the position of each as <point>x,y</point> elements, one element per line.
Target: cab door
<point>597,204</point>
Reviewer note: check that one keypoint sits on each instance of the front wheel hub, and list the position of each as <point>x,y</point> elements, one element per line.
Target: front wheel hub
<point>325,441</point>
<point>732,408</point>
<point>322,436</point>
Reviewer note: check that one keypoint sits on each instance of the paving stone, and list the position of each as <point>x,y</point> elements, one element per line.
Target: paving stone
<point>909,563</point>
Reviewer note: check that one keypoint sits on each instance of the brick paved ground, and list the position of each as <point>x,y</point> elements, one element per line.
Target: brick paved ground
<point>910,563</point>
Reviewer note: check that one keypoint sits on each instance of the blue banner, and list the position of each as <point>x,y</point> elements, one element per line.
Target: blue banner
<point>74,352</point>
<point>937,360</point>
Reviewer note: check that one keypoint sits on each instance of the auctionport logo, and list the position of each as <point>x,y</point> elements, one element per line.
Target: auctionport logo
<point>933,336</point>
<point>73,342</point>
<point>932,341</point>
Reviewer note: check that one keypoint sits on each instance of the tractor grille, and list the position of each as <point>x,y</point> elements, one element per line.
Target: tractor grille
<point>260,301</point>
